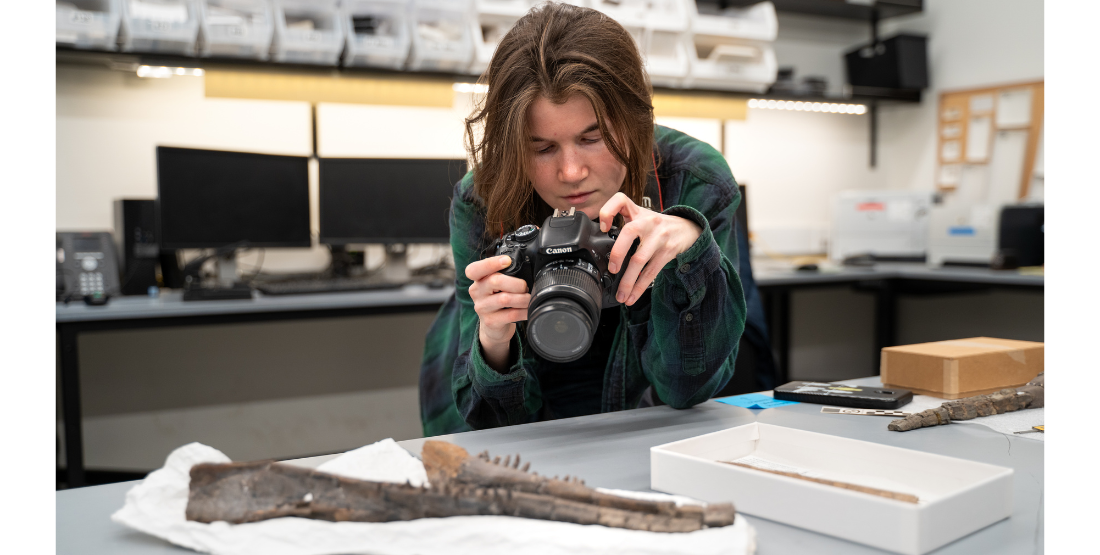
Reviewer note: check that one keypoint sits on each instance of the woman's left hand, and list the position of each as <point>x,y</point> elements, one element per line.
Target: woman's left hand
<point>663,237</point>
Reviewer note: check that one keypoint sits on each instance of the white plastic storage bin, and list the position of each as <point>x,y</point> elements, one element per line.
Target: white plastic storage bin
<point>377,31</point>
<point>236,28</point>
<point>90,24</point>
<point>163,26</point>
<point>493,20</point>
<point>755,23</point>
<point>307,32</point>
<point>749,67</point>
<point>631,14</point>
<point>667,45</point>
<point>733,51</point>
<point>441,35</point>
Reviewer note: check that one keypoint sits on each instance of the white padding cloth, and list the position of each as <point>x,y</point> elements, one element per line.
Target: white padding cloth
<point>157,506</point>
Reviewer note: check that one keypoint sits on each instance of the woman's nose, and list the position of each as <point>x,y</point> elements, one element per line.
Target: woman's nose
<point>573,168</point>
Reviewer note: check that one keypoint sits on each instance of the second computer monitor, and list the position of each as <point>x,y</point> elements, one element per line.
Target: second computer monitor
<point>372,200</point>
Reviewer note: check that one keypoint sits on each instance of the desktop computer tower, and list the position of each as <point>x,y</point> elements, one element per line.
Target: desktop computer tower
<point>136,239</point>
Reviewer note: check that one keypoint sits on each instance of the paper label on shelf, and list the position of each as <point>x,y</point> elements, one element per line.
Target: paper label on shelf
<point>1014,108</point>
<point>950,174</point>
<point>950,150</point>
<point>171,13</point>
<point>977,138</point>
<point>981,103</point>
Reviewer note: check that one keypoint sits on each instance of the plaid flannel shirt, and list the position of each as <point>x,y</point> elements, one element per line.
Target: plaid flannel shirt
<point>681,338</point>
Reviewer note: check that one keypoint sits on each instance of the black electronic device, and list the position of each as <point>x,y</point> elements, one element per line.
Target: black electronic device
<point>212,198</point>
<point>856,396</point>
<point>390,201</point>
<point>86,266</point>
<point>565,267</point>
<point>323,285</point>
<point>136,241</point>
<point>1020,236</point>
<point>899,62</point>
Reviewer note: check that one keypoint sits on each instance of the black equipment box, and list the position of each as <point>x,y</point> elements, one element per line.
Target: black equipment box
<point>899,62</point>
<point>840,395</point>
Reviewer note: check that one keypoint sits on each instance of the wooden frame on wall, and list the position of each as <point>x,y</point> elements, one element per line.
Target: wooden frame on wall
<point>969,120</point>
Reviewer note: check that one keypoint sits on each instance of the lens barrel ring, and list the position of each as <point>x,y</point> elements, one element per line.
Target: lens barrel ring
<point>564,311</point>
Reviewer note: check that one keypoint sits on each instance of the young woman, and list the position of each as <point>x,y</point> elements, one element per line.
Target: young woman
<point>568,122</point>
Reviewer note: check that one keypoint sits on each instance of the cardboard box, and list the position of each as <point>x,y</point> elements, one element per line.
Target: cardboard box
<point>955,497</point>
<point>962,367</point>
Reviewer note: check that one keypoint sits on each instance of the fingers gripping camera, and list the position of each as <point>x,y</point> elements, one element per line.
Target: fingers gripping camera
<point>565,267</point>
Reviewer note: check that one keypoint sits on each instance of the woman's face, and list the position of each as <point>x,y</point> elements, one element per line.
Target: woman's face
<point>570,163</point>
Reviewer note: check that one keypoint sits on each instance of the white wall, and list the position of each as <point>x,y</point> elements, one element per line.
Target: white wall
<point>792,164</point>
<point>970,44</point>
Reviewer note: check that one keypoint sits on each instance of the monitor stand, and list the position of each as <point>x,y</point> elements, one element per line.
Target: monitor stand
<point>396,269</point>
<point>227,287</point>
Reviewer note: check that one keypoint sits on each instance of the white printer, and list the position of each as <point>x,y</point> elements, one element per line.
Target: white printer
<point>884,224</point>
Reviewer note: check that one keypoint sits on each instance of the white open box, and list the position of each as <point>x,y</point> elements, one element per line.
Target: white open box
<point>956,497</point>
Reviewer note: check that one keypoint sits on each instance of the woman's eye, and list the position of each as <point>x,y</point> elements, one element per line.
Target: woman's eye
<point>591,140</point>
<point>544,149</point>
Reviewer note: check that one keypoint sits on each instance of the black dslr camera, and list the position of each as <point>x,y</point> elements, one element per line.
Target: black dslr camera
<point>565,267</point>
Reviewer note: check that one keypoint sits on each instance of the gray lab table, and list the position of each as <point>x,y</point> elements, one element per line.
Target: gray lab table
<point>612,450</point>
<point>887,281</point>
<point>169,310</point>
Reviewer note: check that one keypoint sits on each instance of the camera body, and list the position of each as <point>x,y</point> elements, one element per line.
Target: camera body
<point>565,266</point>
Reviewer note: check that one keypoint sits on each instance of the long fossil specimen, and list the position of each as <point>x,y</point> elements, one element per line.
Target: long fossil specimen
<point>1029,396</point>
<point>461,485</point>
<point>907,497</point>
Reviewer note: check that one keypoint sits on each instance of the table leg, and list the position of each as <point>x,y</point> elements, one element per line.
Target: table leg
<point>886,319</point>
<point>70,406</point>
<point>777,307</point>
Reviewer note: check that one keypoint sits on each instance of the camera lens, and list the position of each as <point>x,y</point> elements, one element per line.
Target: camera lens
<point>564,311</point>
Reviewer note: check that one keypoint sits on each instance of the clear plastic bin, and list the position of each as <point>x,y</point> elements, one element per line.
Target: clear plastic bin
<point>754,23</point>
<point>513,9</point>
<point>441,35</point>
<point>307,32</point>
<point>163,26</point>
<point>487,31</point>
<point>630,13</point>
<point>733,66</point>
<point>377,31</point>
<point>668,45</point>
<point>88,24</point>
<point>236,28</point>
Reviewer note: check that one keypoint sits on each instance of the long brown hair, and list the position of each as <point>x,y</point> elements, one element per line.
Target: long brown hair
<point>557,51</point>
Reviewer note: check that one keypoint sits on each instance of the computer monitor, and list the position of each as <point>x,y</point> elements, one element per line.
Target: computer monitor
<point>213,198</point>
<point>390,201</point>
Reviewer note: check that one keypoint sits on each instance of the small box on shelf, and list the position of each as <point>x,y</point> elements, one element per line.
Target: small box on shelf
<point>161,26</point>
<point>236,28</point>
<point>308,32</point>
<point>88,24</point>
<point>441,35</point>
<point>378,33</point>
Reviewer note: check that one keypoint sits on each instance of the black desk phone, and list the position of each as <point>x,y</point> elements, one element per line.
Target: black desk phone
<point>87,267</point>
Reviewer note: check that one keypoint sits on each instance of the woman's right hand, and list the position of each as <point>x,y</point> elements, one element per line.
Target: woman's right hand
<point>499,301</point>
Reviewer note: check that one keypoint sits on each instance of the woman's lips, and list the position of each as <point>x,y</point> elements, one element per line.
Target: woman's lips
<point>577,199</point>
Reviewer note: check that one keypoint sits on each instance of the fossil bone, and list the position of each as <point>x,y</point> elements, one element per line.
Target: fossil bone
<point>461,485</point>
<point>1030,396</point>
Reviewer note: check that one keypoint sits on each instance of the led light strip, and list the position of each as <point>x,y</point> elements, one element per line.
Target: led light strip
<point>164,72</point>
<point>800,106</point>
<point>476,88</point>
